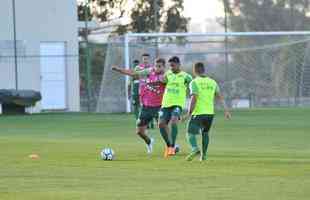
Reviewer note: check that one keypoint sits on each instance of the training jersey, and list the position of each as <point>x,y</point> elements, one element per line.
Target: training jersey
<point>205,88</point>
<point>151,93</point>
<point>135,88</point>
<point>141,67</point>
<point>176,88</point>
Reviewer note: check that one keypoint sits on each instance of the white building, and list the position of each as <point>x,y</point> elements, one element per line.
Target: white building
<point>47,49</point>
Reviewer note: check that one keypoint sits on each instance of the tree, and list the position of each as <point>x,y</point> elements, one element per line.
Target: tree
<point>145,16</point>
<point>268,15</point>
<point>102,10</point>
<point>150,16</point>
<point>175,21</point>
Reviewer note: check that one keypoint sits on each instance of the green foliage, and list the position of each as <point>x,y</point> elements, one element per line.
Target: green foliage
<point>83,12</point>
<point>107,9</point>
<point>151,16</point>
<point>175,21</point>
<point>143,16</point>
<point>268,15</point>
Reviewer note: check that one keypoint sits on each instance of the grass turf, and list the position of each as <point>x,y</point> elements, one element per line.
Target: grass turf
<point>259,154</point>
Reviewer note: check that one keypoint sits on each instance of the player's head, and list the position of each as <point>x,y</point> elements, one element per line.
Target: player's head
<point>160,65</point>
<point>174,63</point>
<point>199,69</point>
<point>145,58</point>
<point>136,62</point>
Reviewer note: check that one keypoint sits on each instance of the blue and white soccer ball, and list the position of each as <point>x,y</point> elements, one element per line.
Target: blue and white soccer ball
<point>107,154</point>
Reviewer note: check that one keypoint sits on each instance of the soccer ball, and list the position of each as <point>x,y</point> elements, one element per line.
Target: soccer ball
<point>107,154</point>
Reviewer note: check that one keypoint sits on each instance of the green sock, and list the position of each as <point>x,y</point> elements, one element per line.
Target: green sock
<point>191,138</point>
<point>174,133</point>
<point>136,111</point>
<point>205,143</point>
<point>164,135</point>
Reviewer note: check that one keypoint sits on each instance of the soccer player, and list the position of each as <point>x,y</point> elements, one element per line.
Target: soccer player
<point>174,99</point>
<point>203,91</point>
<point>144,65</point>
<point>150,97</point>
<point>133,91</point>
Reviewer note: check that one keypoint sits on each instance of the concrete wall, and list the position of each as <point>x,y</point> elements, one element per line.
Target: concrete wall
<point>40,21</point>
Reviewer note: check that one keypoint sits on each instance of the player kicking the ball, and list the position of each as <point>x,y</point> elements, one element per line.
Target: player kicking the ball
<point>201,110</point>
<point>151,94</point>
<point>174,99</point>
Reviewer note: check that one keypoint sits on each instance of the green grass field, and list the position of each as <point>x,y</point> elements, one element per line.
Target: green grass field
<point>259,154</point>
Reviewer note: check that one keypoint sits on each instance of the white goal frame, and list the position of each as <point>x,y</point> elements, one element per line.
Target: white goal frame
<point>223,34</point>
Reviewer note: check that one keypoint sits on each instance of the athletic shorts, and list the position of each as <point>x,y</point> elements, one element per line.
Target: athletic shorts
<point>146,115</point>
<point>165,114</point>
<point>199,124</point>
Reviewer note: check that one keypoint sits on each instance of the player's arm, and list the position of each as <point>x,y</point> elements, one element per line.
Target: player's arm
<point>192,104</point>
<point>127,72</point>
<point>193,99</point>
<point>221,99</point>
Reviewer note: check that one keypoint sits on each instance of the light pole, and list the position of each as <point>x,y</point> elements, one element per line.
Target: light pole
<point>155,24</point>
<point>88,64</point>
<point>15,44</point>
<point>227,85</point>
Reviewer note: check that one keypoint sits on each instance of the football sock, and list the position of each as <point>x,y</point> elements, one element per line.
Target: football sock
<point>164,135</point>
<point>174,133</point>
<point>146,139</point>
<point>205,142</point>
<point>191,138</point>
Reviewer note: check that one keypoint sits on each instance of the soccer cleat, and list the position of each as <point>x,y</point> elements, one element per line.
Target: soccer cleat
<point>171,151</point>
<point>149,147</point>
<point>203,158</point>
<point>192,155</point>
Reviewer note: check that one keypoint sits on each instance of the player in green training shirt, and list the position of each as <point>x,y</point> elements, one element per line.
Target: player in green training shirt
<point>203,90</point>
<point>173,102</point>
<point>133,90</point>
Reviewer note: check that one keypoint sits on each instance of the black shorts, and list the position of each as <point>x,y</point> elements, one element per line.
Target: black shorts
<point>165,114</point>
<point>146,115</point>
<point>199,124</point>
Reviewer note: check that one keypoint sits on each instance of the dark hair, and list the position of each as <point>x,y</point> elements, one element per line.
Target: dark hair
<point>146,54</point>
<point>199,68</point>
<point>136,61</point>
<point>174,59</point>
<point>161,60</point>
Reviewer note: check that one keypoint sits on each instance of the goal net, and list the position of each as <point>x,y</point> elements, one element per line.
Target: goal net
<point>268,69</point>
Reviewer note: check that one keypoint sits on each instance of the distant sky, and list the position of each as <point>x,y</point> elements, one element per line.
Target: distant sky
<point>199,10</point>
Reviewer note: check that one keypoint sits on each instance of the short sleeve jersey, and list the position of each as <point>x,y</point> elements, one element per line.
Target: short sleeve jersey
<point>176,87</point>
<point>205,89</point>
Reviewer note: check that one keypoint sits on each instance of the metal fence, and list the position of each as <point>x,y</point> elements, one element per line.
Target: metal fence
<point>255,71</point>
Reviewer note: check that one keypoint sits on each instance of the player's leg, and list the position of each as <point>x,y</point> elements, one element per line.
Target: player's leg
<point>164,118</point>
<point>206,123</point>
<point>175,118</point>
<point>193,129</point>
<point>144,119</point>
<point>136,106</point>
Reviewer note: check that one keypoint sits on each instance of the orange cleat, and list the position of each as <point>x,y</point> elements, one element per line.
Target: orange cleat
<point>171,151</point>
